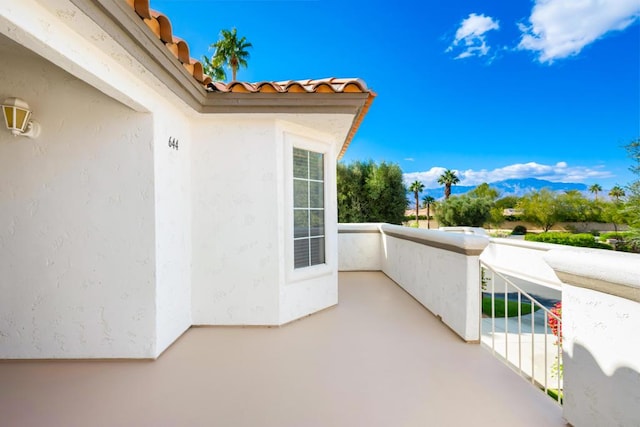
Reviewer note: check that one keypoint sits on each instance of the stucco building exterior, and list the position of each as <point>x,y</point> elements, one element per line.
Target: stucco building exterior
<point>154,199</point>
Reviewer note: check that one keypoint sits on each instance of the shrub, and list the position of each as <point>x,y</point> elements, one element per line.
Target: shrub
<point>510,308</point>
<point>584,240</point>
<point>625,242</point>
<point>620,235</point>
<point>519,230</point>
<point>464,211</point>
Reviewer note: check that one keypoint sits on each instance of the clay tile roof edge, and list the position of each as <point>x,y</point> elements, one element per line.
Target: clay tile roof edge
<point>166,36</point>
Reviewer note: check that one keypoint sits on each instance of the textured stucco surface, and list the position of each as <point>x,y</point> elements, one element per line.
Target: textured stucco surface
<point>601,358</point>
<point>235,223</point>
<point>242,228</point>
<point>77,268</point>
<point>615,273</point>
<point>158,238</point>
<point>173,224</point>
<point>443,280</point>
<point>359,247</point>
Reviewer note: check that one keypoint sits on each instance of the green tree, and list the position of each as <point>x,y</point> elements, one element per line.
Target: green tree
<point>614,213</point>
<point>213,70</point>
<point>541,208</point>
<point>231,51</point>
<point>595,189</point>
<point>496,217</point>
<point>368,192</point>
<point>575,207</point>
<point>484,190</point>
<point>632,207</point>
<point>386,193</point>
<point>464,211</point>
<point>448,178</point>
<point>427,202</point>
<point>616,193</point>
<point>508,202</point>
<point>416,188</point>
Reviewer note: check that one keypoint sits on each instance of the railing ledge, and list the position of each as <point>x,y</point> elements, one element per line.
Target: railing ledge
<point>467,244</point>
<point>613,273</point>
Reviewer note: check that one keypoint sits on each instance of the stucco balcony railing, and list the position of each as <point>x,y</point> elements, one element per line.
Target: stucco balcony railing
<point>600,293</point>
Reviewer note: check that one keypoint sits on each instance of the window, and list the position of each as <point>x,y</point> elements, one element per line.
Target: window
<point>308,208</point>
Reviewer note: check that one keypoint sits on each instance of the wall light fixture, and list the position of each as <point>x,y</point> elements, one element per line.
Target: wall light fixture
<point>17,117</point>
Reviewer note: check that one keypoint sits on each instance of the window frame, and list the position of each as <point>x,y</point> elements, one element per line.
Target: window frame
<point>309,209</point>
<point>292,139</point>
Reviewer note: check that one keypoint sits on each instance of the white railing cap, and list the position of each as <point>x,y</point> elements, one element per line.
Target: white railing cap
<point>359,227</point>
<point>471,244</point>
<point>615,273</point>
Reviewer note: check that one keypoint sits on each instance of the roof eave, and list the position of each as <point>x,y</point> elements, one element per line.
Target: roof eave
<point>122,23</point>
<point>324,103</point>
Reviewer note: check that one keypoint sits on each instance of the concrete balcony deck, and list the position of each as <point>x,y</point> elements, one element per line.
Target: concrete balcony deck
<point>377,359</point>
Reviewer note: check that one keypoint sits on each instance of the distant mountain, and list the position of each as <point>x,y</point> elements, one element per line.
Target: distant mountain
<point>511,187</point>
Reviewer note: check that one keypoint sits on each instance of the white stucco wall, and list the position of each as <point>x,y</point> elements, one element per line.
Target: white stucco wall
<point>173,224</point>
<point>242,223</point>
<point>359,247</point>
<point>601,358</point>
<point>444,281</point>
<point>601,345</point>
<point>77,239</point>
<point>235,222</point>
<point>215,244</point>
<point>439,269</point>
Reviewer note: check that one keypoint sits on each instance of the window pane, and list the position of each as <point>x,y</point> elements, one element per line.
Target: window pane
<point>316,166</point>
<point>301,223</point>
<point>317,251</point>
<point>317,194</point>
<point>300,163</point>
<point>300,194</point>
<point>317,223</point>
<point>301,253</point>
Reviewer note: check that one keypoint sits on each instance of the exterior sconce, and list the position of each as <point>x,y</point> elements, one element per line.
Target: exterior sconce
<point>16,118</point>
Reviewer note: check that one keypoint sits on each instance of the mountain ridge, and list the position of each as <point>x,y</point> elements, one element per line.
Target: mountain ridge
<point>510,187</point>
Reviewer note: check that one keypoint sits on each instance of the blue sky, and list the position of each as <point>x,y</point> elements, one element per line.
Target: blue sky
<point>494,90</point>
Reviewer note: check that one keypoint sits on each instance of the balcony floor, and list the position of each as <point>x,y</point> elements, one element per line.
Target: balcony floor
<point>377,359</point>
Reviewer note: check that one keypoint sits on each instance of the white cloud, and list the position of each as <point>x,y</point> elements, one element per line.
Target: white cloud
<point>410,159</point>
<point>428,178</point>
<point>560,172</point>
<point>471,36</point>
<point>561,28</point>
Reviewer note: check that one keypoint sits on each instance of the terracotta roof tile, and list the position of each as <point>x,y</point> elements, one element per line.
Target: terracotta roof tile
<point>327,85</point>
<point>160,25</point>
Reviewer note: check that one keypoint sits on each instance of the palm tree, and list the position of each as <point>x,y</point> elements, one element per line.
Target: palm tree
<point>416,187</point>
<point>595,188</point>
<point>212,69</point>
<point>616,192</point>
<point>448,178</point>
<point>231,51</point>
<point>427,201</point>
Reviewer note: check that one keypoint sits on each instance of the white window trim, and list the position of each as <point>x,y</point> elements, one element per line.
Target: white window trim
<point>292,274</point>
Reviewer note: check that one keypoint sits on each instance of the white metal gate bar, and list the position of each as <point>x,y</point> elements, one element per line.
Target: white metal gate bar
<point>539,379</point>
